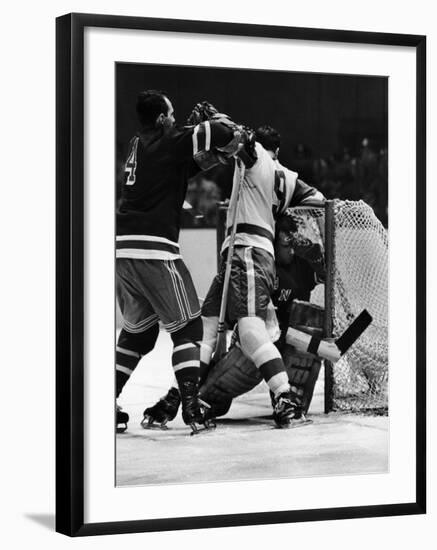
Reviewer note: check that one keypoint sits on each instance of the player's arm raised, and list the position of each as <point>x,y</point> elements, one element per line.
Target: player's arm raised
<point>292,191</point>
<point>215,138</point>
<point>306,195</point>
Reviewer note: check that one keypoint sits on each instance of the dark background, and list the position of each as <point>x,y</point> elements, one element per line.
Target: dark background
<point>333,127</point>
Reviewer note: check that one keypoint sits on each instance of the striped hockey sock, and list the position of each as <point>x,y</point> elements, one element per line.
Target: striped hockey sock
<point>269,361</point>
<point>185,361</point>
<point>130,348</point>
<point>126,361</point>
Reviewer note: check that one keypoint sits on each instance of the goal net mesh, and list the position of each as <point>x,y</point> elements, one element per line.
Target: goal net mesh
<point>358,269</point>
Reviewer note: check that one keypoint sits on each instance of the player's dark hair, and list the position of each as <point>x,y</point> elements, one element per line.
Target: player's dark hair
<point>150,104</point>
<point>269,138</point>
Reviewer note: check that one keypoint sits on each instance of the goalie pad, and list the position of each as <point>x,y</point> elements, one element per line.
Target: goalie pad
<point>234,374</point>
<point>302,370</point>
<point>306,317</point>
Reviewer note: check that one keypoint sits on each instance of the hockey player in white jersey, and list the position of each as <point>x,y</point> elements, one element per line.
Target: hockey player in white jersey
<point>266,190</point>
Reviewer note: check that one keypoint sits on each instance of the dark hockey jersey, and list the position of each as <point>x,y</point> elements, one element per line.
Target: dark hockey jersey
<point>157,170</point>
<point>294,282</point>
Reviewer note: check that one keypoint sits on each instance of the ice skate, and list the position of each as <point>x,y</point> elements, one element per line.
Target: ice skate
<point>163,411</point>
<point>287,413</point>
<point>194,409</point>
<point>122,419</point>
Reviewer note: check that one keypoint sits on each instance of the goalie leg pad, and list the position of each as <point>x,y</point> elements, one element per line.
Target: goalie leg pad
<point>232,376</point>
<point>303,368</point>
<point>307,317</point>
<point>217,409</point>
<point>303,371</point>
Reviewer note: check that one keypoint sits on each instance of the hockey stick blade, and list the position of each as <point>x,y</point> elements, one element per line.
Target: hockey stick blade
<point>354,331</point>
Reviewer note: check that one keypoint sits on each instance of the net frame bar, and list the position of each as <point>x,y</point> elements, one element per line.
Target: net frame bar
<point>329,244</point>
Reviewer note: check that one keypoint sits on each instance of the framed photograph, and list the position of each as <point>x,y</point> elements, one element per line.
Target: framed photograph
<point>240,274</point>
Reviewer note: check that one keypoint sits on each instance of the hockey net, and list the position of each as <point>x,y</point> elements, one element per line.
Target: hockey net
<point>356,252</point>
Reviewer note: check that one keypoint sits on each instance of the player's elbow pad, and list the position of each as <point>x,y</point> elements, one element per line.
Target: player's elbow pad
<point>316,199</point>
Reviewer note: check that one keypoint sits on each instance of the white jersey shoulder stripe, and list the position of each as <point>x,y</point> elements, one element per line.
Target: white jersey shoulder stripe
<point>289,183</point>
<point>150,238</point>
<point>139,254</point>
<point>195,140</point>
<point>207,135</point>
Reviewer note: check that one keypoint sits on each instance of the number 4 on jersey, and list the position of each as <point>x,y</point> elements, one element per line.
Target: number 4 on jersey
<point>131,163</point>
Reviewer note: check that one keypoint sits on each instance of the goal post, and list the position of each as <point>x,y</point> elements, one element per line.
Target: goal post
<point>328,301</point>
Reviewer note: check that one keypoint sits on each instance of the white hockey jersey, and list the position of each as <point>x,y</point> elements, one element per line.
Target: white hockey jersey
<point>268,188</point>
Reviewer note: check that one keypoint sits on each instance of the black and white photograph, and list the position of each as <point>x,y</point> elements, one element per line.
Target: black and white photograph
<point>217,298</point>
<point>252,217</point>
<point>239,254</point>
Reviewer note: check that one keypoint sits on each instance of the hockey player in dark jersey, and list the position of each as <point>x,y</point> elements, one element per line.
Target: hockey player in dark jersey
<point>153,283</point>
<point>268,189</point>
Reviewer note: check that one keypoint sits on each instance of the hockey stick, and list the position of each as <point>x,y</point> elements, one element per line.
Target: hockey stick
<point>220,348</point>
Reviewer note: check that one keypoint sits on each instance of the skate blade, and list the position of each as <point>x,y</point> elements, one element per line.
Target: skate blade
<point>149,423</point>
<point>198,429</point>
<point>295,423</point>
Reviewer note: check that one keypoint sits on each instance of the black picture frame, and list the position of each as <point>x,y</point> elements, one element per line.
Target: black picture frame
<point>70,273</point>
